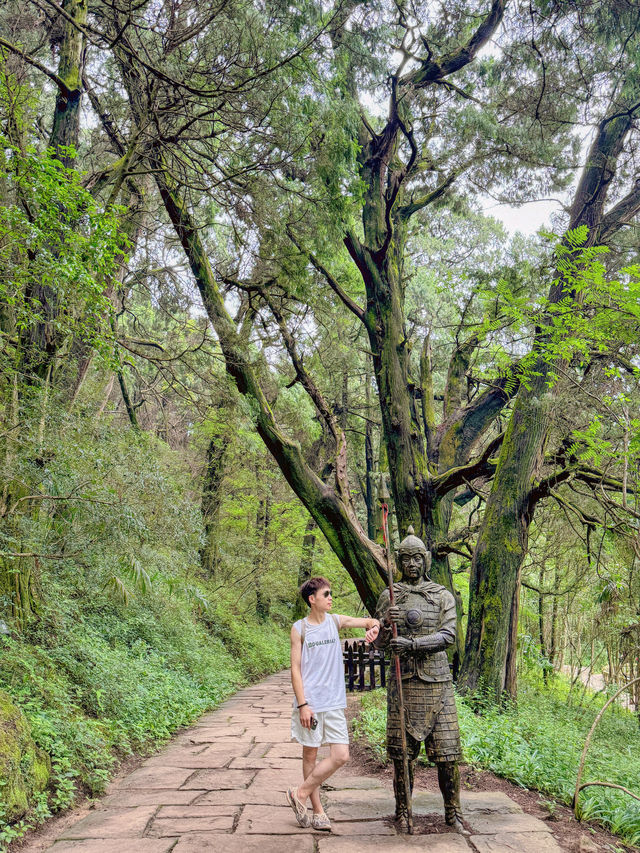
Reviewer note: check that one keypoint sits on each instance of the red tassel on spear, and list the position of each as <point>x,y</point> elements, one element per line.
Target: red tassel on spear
<point>396,659</point>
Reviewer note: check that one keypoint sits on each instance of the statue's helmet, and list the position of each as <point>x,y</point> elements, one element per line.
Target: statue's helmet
<point>412,544</point>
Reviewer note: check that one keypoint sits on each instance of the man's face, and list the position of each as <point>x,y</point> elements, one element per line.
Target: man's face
<point>322,598</point>
<point>412,566</point>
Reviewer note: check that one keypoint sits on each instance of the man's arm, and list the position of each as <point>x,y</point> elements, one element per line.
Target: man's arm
<point>305,710</point>
<point>359,622</point>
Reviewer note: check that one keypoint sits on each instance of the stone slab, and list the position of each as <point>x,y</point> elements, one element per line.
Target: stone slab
<point>211,757</point>
<point>434,843</point>
<point>207,810</point>
<point>115,845</point>
<point>239,796</point>
<point>489,801</point>
<point>290,750</point>
<point>218,737</point>
<point>156,797</point>
<point>219,780</point>
<point>175,827</point>
<point>268,820</point>
<point>359,805</point>
<point>210,843</point>
<point>495,823</point>
<point>371,827</point>
<point>276,780</point>
<point>112,823</point>
<point>289,765</point>
<point>520,842</point>
<point>158,776</point>
<point>339,782</point>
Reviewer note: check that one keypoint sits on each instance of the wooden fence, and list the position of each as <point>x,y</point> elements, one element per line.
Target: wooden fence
<point>363,666</point>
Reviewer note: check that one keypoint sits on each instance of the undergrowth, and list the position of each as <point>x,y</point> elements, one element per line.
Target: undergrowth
<point>537,744</point>
<point>128,639</point>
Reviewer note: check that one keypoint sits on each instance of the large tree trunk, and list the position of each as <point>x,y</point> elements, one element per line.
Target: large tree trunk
<point>502,542</point>
<point>211,500</point>
<point>41,342</point>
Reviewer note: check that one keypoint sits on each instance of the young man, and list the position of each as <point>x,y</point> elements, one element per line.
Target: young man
<point>317,676</point>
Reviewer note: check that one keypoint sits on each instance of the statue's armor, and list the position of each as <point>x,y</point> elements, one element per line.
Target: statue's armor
<point>427,615</point>
<point>425,610</point>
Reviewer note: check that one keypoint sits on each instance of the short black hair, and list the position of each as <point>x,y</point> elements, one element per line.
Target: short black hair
<point>311,586</point>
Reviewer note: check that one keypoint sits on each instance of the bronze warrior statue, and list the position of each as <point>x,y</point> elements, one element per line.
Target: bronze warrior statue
<point>425,616</point>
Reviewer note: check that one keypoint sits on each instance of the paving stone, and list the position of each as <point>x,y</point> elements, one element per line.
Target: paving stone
<point>210,733</point>
<point>340,782</point>
<point>156,777</point>
<point>488,801</point>
<point>219,780</point>
<point>211,757</point>
<point>434,843</point>
<point>289,765</point>
<point>207,810</point>
<point>372,827</point>
<point>277,780</point>
<point>271,734</point>
<point>495,823</point>
<point>290,750</point>
<point>522,842</point>
<point>268,820</point>
<point>114,845</point>
<point>202,737</point>
<point>353,805</point>
<point>158,797</point>
<point>173,827</point>
<point>255,796</point>
<point>112,823</point>
<point>203,843</point>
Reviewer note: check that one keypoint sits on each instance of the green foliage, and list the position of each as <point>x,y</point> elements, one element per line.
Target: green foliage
<point>54,235</point>
<point>130,641</point>
<point>537,744</point>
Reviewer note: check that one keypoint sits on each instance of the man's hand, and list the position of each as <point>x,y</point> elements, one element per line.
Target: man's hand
<point>306,715</point>
<point>372,633</point>
<point>401,645</point>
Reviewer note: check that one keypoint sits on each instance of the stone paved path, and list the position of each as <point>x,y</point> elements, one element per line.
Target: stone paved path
<point>220,787</point>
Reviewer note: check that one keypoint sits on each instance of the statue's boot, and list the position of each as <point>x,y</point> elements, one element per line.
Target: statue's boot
<point>449,782</point>
<point>399,787</point>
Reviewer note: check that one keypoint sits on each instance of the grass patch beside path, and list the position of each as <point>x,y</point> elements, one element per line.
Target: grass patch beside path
<point>537,744</point>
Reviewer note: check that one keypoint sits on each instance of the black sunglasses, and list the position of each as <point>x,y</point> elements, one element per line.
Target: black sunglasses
<point>326,593</point>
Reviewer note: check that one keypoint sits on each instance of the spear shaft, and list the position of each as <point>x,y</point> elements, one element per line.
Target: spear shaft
<point>398,672</point>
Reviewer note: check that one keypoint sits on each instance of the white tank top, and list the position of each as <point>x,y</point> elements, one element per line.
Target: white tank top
<point>321,666</point>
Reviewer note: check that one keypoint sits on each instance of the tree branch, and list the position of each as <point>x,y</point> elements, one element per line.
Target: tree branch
<point>435,71</point>
<point>481,466</point>
<point>62,86</point>
<point>331,281</point>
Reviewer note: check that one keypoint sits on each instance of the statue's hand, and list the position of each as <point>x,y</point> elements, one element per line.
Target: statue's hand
<point>401,645</point>
<point>392,614</point>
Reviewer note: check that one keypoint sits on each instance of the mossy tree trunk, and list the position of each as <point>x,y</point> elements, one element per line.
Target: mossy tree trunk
<point>41,342</point>
<point>217,451</point>
<point>502,542</point>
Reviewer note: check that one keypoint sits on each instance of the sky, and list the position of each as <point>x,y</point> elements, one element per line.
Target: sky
<point>527,218</point>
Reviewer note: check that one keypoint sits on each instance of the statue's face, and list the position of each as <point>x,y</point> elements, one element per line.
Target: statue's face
<point>412,566</point>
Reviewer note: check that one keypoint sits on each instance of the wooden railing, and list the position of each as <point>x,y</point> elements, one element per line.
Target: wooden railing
<point>363,666</point>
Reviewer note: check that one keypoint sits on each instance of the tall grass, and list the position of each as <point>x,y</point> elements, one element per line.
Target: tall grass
<point>537,744</point>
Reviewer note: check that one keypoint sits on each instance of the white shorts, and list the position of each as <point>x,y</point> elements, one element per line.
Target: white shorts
<point>331,728</point>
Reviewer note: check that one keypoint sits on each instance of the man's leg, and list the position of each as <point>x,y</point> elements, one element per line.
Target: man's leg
<point>309,756</point>
<point>338,756</point>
